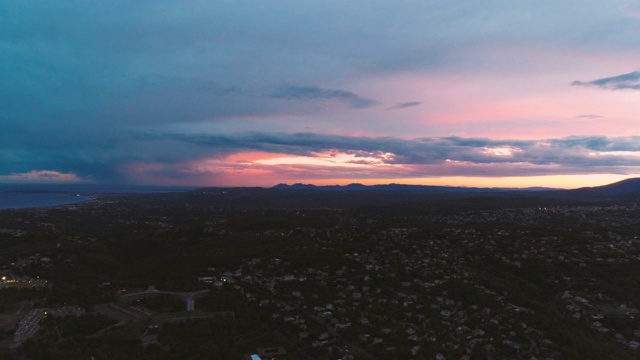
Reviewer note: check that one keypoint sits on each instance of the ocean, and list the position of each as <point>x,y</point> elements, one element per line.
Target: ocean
<point>21,196</point>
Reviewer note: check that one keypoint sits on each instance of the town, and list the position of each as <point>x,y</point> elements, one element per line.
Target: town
<point>221,275</point>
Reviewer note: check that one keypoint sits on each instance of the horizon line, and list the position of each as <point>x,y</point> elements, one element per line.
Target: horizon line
<point>310,184</point>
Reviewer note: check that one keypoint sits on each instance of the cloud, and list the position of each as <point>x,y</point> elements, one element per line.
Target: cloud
<point>42,176</point>
<point>631,8</point>
<point>619,82</point>
<point>176,157</point>
<point>82,76</point>
<point>404,105</point>
<point>590,116</point>
<point>570,152</point>
<point>291,92</point>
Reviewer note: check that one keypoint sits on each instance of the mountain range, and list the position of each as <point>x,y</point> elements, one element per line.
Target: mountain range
<point>402,187</point>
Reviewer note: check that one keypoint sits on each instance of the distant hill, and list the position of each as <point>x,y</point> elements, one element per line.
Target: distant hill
<point>624,187</point>
<point>412,196</point>
<point>406,199</point>
<point>401,187</point>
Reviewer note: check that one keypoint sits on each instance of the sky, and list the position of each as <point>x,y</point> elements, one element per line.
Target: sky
<point>255,93</point>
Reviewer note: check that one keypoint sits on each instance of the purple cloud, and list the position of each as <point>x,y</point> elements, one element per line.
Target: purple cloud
<point>619,82</point>
<point>404,105</point>
<point>316,93</point>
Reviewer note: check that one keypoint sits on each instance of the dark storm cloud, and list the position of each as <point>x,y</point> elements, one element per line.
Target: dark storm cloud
<point>404,105</point>
<point>619,82</point>
<point>317,93</point>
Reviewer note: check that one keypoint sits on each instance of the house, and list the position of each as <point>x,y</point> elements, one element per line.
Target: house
<point>206,279</point>
<point>271,353</point>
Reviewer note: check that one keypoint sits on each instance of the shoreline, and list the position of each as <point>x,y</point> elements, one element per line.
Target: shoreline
<point>27,200</point>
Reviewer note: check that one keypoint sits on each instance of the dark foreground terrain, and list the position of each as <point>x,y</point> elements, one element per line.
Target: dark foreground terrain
<point>312,273</point>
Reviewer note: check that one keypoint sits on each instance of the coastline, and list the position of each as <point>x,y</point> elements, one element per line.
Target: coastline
<point>27,196</point>
<point>28,200</point>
